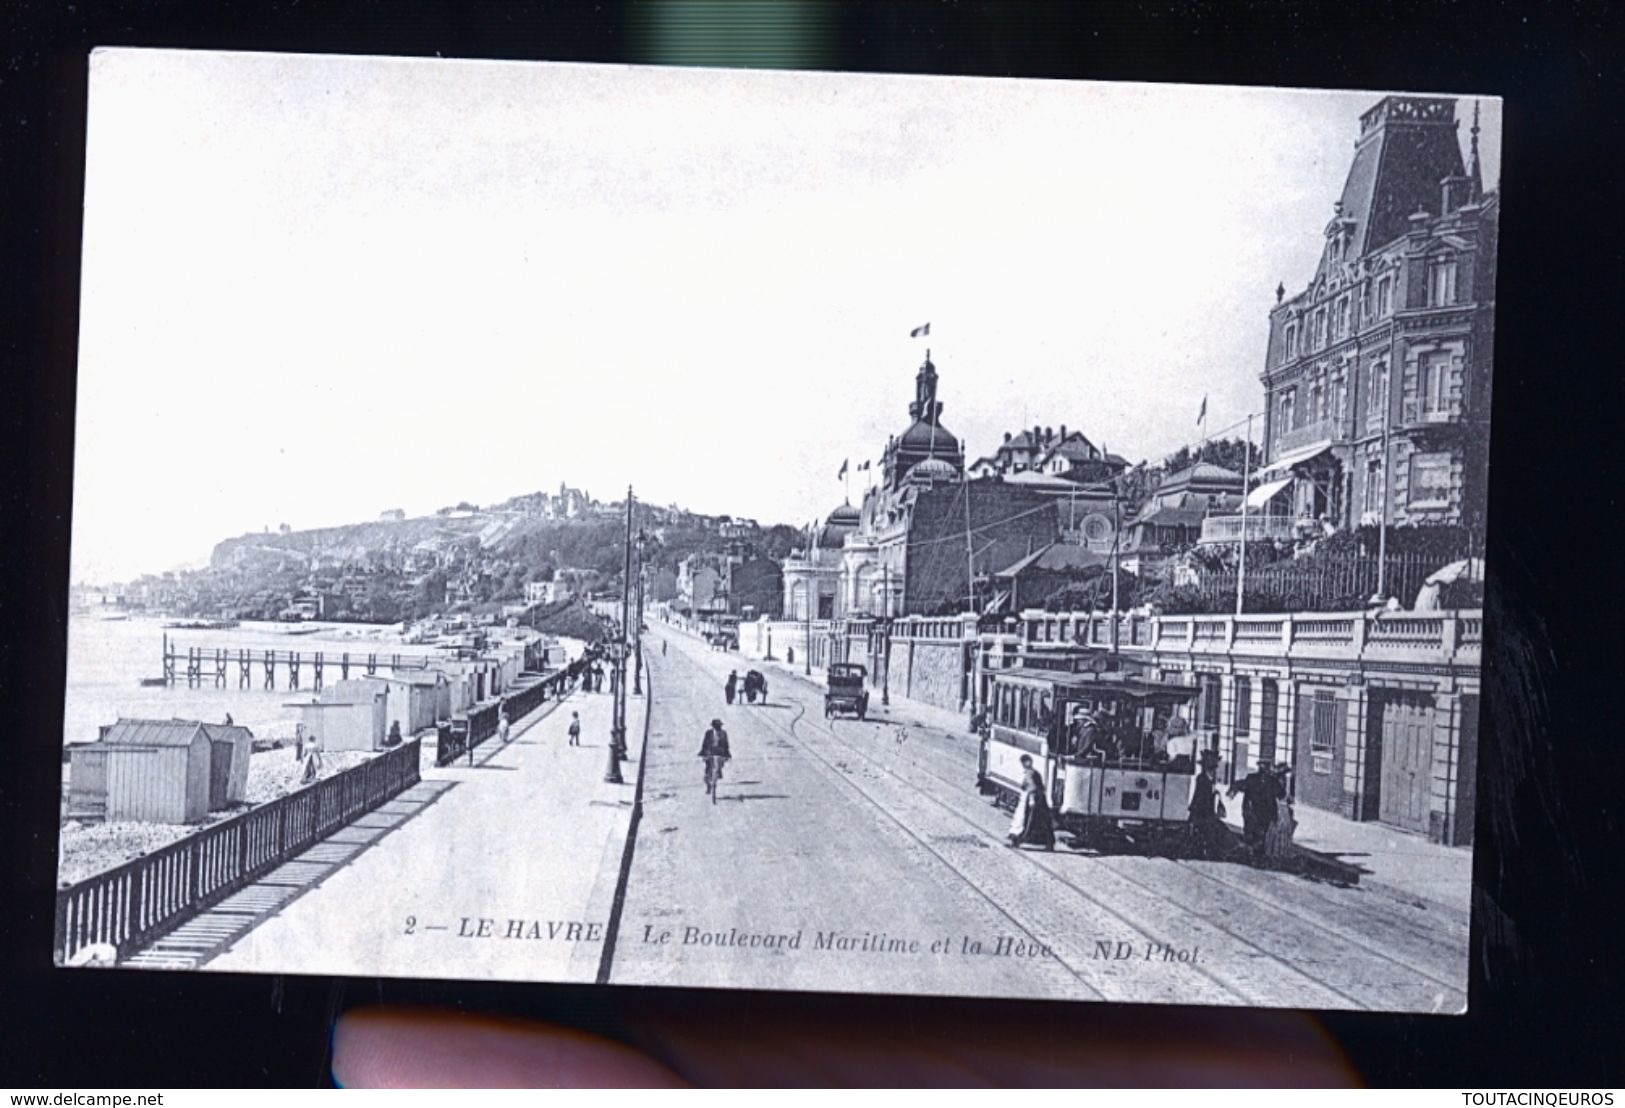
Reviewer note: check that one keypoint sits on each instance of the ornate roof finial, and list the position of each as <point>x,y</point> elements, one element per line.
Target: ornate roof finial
<point>1472,165</point>
<point>1280,291</point>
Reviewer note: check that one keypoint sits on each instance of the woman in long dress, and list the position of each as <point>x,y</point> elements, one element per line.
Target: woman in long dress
<point>1031,822</point>
<point>1278,838</point>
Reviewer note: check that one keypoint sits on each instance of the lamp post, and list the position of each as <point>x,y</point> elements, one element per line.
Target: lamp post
<point>617,731</point>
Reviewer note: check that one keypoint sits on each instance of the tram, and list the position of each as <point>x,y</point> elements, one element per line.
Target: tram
<point>1109,737</point>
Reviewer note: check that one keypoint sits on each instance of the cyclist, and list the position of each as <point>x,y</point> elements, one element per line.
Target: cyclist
<point>714,749</point>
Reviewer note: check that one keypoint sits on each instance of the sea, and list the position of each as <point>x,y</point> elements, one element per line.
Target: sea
<point>108,657</point>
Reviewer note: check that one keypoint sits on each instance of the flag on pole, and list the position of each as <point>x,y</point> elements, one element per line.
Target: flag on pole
<point>863,468</point>
<point>1201,417</point>
<point>842,474</point>
<point>920,332</point>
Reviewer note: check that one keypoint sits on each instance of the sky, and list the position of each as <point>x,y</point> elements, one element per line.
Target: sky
<point>316,288</point>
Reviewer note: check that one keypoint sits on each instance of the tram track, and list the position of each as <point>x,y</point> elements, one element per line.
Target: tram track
<point>922,842</point>
<point>1275,906</point>
<point>1242,991</point>
<point>1320,962</point>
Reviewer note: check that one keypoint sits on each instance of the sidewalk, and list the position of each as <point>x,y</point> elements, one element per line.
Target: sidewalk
<point>1377,855</point>
<point>509,873</point>
<point>1382,857</point>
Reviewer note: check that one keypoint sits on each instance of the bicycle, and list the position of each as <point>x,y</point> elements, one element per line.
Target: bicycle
<point>713,774</point>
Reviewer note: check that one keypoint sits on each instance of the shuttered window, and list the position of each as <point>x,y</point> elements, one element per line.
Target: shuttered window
<point>1323,737</point>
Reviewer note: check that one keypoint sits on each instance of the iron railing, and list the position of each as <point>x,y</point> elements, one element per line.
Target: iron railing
<point>131,905</point>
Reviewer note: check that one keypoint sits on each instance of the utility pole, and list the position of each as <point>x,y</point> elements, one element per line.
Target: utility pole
<point>810,595</point>
<point>885,635</point>
<point>1246,459</point>
<point>637,665</point>
<point>1117,532</point>
<point>1382,525</point>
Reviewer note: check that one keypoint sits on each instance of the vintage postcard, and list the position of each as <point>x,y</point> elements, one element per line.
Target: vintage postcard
<point>778,530</point>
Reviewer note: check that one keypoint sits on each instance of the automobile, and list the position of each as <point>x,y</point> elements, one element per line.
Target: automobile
<point>846,693</point>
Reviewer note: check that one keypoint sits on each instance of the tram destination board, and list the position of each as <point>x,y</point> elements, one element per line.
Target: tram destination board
<point>752,585</point>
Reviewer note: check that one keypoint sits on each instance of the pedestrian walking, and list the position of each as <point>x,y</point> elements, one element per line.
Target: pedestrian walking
<point>664,643</point>
<point>1259,791</point>
<point>504,728</point>
<point>575,728</point>
<point>1278,839</point>
<point>1031,822</point>
<point>299,742</point>
<point>394,736</point>
<point>1206,812</point>
<point>312,760</point>
<point>731,688</point>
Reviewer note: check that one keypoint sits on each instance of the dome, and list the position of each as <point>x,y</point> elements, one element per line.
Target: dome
<point>932,438</point>
<point>931,471</point>
<point>845,515</point>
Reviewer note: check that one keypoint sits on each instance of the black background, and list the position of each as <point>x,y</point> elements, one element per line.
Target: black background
<point>1546,976</point>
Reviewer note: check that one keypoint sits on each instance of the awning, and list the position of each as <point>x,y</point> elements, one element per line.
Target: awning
<point>1295,458</point>
<point>1266,492</point>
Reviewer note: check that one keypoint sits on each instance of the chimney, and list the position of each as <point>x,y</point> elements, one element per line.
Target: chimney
<point>1049,435</point>
<point>1063,432</point>
<point>1454,193</point>
<point>1007,436</point>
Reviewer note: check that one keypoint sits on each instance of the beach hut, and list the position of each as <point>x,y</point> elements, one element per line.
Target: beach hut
<point>350,715</point>
<point>154,771</point>
<point>416,701</point>
<point>230,749</point>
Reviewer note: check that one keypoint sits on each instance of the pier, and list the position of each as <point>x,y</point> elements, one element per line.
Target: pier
<point>200,665</point>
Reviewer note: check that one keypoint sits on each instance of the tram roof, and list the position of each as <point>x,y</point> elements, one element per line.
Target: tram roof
<point>1124,684</point>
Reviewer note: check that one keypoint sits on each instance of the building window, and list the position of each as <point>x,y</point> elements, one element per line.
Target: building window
<point>1323,735</point>
<point>1320,328</point>
<point>1210,701</point>
<point>1385,295</point>
<point>1340,396</point>
<point>1366,302</point>
<point>1342,326</point>
<point>1373,486</point>
<point>1290,345</point>
<point>1442,281</point>
<point>1244,706</point>
<point>1434,383</point>
<point>1430,480</point>
<point>1315,398</point>
<point>1288,399</point>
<point>1377,394</point>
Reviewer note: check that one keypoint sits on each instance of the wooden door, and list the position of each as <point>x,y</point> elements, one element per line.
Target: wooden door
<point>1319,743</point>
<point>1407,760</point>
<point>219,775</point>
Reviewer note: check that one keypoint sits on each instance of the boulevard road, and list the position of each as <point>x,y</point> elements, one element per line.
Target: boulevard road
<point>848,856</point>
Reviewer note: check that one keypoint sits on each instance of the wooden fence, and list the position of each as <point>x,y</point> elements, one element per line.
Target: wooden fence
<point>130,906</point>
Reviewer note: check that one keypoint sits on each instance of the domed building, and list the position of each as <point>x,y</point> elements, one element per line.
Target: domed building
<point>812,577</point>
<point>926,438</point>
<point>923,526</point>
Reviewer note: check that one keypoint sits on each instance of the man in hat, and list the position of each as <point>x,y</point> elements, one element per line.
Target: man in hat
<point>575,728</point>
<point>1259,791</point>
<point>1207,828</point>
<point>714,749</point>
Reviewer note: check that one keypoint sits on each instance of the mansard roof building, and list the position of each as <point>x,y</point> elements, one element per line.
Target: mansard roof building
<point>1377,374</point>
